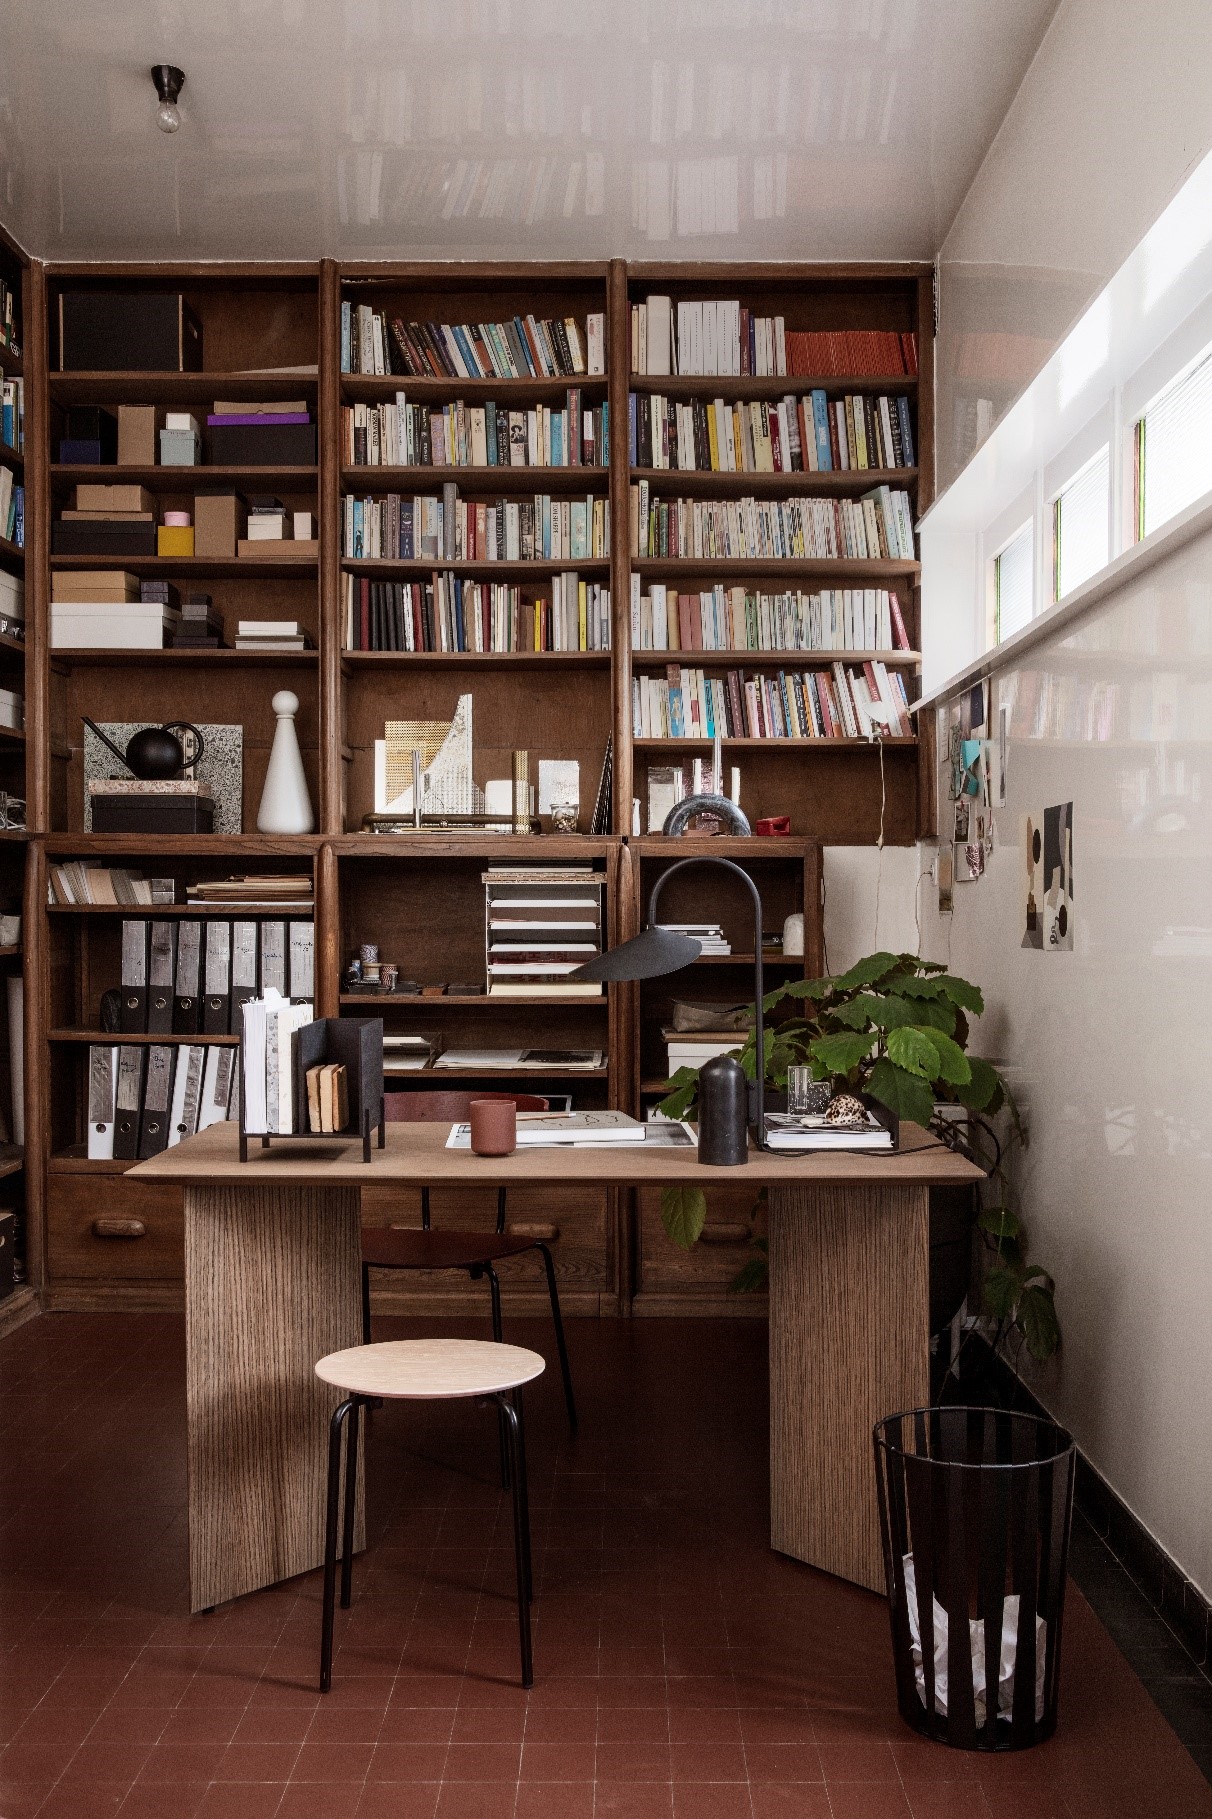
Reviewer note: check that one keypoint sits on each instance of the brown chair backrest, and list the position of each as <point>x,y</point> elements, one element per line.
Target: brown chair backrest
<point>448,1107</point>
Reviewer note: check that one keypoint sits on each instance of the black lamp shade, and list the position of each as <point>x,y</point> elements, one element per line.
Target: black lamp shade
<point>647,956</point>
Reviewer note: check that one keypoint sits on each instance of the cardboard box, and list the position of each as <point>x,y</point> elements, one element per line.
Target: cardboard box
<point>179,448</point>
<point>105,498</point>
<point>277,549</point>
<point>175,540</point>
<point>137,427</point>
<point>219,523</point>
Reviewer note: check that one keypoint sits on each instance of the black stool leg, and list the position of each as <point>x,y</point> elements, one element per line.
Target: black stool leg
<point>351,1497</point>
<point>557,1321</point>
<point>520,1539</point>
<point>524,1489</point>
<point>494,1289</point>
<point>365,1304</point>
<point>330,1540</point>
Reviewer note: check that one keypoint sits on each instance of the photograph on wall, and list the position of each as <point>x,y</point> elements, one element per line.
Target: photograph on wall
<point>1033,848</point>
<point>1058,878</point>
<point>946,878</point>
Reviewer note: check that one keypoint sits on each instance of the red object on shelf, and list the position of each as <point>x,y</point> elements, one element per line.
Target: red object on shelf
<point>774,824</point>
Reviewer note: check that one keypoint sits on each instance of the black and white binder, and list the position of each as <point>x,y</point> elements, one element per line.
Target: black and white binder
<point>273,957</point>
<point>187,1092</point>
<point>157,1101</point>
<point>102,1085</point>
<point>127,1101</point>
<point>302,947</point>
<point>160,968</point>
<point>216,982</point>
<point>134,978</point>
<point>187,985</point>
<point>243,971</point>
<point>217,1081</point>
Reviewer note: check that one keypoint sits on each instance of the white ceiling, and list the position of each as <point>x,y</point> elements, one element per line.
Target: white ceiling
<point>813,129</point>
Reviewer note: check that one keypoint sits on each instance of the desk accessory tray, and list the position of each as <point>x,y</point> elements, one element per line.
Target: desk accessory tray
<point>356,1043</point>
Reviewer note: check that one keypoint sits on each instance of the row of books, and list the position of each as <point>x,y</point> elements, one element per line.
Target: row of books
<point>718,337</point>
<point>688,703</point>
<point>450,613</point>
<point>400,434</point>
<point>144,1099</point>
<point>10,313</point>
<point>192,975</point>
<point>12,508</point>
<point>12,414</point>
<point>73,882</point>
<point>451,529</point>
<point>528,347</point>
<point>734,618</point>
<point>813,434</point>
<point>879,526</point>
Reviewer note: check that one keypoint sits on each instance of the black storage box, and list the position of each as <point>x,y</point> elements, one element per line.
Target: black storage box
<point>90,437</point>
<point>97,537</point>
<point>257,445</point>
<point>128,331</point>
<point>8,1253</point>
<point>143,813</point>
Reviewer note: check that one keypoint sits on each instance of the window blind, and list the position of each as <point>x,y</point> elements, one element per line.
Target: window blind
<point>1013,584</point>
<point>1174,449</point>
<point>1080,526</point>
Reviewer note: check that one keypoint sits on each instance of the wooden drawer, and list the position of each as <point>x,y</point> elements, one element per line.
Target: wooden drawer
<point>574,1225</point>
<point>734,1217</point>
<point>100,1227</point>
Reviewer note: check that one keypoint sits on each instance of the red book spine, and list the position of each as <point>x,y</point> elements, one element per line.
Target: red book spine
<point>898,624</point>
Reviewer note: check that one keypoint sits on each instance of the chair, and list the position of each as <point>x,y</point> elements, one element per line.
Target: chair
<point>399,1247</point>
<point>423,1370</point>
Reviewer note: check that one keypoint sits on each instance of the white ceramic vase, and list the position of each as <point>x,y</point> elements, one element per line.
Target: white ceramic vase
<point>285,801</point>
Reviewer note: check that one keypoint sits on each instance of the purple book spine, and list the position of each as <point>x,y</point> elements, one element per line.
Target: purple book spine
<point>260,417</point>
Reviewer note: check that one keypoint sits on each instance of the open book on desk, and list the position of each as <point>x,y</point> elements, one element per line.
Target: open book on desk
<point>584,1129</point>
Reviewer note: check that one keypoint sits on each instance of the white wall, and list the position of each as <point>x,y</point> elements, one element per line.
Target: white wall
<point>1114,110</point>
<point>1112,1043</point>
<point>869,901</point>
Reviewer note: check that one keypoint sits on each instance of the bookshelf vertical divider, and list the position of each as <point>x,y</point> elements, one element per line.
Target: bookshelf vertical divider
<point>330,809</point>
<point>618,372</point>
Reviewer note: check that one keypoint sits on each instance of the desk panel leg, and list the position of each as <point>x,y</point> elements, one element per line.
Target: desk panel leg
<point>272,1283</point>
<point>849,1343</point>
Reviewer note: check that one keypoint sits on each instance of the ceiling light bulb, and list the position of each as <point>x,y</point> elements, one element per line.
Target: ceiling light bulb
<point>169,81</point>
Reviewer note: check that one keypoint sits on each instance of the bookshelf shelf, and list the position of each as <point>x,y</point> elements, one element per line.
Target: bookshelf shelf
<point>477,480</point>
<point>740,388</point>
<point>197,568</point>
<point>12,1159</point>
<point>751,659</point>
<point>361,387</point>
<point>177,388</point>
<point>187,846</point>
<point>11,735</point>
<point>850,481</point>
<point>186,479</point>
<point>482,1000</point>
<point>12,555</point>
<point>160,912</point>
<point>11,365</point>
<point>831,569</point>
<point>11,457</point>
<point>536,1075</point>
<point>115,1038</point>
<point>75,1161</point>
<point>813,745</point>
<point>355,660</point>
<point>384,569</point>
<point>12,647</point>
<point>183,659</point>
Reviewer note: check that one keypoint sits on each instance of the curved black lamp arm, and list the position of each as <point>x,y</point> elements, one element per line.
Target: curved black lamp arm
<point>757,1089</point>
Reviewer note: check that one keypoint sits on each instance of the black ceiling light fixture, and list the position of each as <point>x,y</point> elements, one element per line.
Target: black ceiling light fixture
<point>169,82</point>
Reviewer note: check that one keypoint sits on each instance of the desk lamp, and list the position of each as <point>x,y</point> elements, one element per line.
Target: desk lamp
<point>657,950</point>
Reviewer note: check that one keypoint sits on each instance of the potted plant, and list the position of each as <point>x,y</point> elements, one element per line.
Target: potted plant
<point>895,1028</point>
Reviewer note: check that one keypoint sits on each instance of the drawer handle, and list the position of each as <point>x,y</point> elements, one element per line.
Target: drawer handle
<point>724,1232</point>
<point>119,1228</point>
<point>543,1230</point>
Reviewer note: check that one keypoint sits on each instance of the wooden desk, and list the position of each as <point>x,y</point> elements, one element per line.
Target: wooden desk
<point>273,1282</point>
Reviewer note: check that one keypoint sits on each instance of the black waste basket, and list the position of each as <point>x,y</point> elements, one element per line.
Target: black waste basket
<point>975,1509</point>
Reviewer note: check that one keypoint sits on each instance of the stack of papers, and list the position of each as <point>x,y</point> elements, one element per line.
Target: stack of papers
<point>811,1131</point>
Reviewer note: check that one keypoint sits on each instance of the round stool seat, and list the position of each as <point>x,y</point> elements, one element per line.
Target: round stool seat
<point>430,1369</point>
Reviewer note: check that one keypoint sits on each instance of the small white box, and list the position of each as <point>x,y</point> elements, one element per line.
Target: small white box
<point>182,420</point>
<point>303,526</point>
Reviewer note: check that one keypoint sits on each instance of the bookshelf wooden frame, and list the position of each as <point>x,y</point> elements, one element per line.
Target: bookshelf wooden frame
<point>258,316</point>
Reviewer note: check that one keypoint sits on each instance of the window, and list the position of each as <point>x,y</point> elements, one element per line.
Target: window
<point>1173,448</point>
<point>1081,538</point>
<point>1012,584</point>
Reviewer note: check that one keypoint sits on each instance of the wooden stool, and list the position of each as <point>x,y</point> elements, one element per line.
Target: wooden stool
<point>424,1370</point>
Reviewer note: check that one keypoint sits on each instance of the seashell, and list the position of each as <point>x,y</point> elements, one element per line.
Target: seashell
<point>844,1108</point>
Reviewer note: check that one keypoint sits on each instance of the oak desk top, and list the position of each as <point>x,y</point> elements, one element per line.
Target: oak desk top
<point>417,1153</point>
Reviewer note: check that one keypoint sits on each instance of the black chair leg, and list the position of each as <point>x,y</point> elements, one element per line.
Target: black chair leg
<point>351,1498</point>
<point>365,1304</point>
<point>330,1540</point>
<point>521,1539</point>
<point>558,1322</point>
<point>494,1289</point>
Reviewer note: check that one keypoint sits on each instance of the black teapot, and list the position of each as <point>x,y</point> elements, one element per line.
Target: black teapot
<point>155,754</point>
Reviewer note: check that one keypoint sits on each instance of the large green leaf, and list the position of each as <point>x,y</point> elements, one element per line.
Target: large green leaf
<point>914,1049</point>
<point>683,1214</point>
<point>1036,1315</point>
<point>684,1090</point>
<point>753,1275</point>
<point>931,1013</point>
<point>913,987</point>
<point>983,1092</point>
<point>998,1221</point>
<point>953,1065</point>
<point>905,1094</point>
<point>841,1053</point>
<point>867,971</point>
<point>1000,1292</point>
<point>962,992</point>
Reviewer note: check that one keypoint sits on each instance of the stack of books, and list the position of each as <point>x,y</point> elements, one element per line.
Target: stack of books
<point>12,414</point>
<point>10,311</point>
<point>692,1049</point>
<point>709,935</point>
<point>12,508</point>
<point>105,609</point>
<point>541,923</point>
<point>288,891</point>
<point>74,882</point>
<point>201,627</point>
<point>270,635</point>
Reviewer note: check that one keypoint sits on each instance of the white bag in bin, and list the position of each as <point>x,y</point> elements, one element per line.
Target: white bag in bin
<point>976,1637</point>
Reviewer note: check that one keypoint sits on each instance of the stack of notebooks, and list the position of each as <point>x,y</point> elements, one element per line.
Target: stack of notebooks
<point>142,1100</point>
<point>201,627</point>
<point>270,891</point>
<point>541,923</point>
<point>709,935</point>
<point>191,976</point>
<point>692,1049</point>
<point>107,520</point>
<point>270,635</point>
<point>105,609</point>
<point>812,1131</point>
<point>74,882</point>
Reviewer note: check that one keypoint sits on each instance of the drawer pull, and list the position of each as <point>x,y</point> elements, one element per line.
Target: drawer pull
<point>119,1228</point>
<point>543,1230</point>
<point>724,1231</point>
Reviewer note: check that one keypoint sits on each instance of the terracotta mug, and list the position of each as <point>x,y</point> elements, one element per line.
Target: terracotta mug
<point>494,1126</point>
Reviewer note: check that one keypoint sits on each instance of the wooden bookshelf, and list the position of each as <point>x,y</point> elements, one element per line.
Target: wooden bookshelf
<point>273,332</point>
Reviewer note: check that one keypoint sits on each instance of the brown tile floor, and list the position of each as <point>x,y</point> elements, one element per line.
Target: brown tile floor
<point>682,1670</point>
